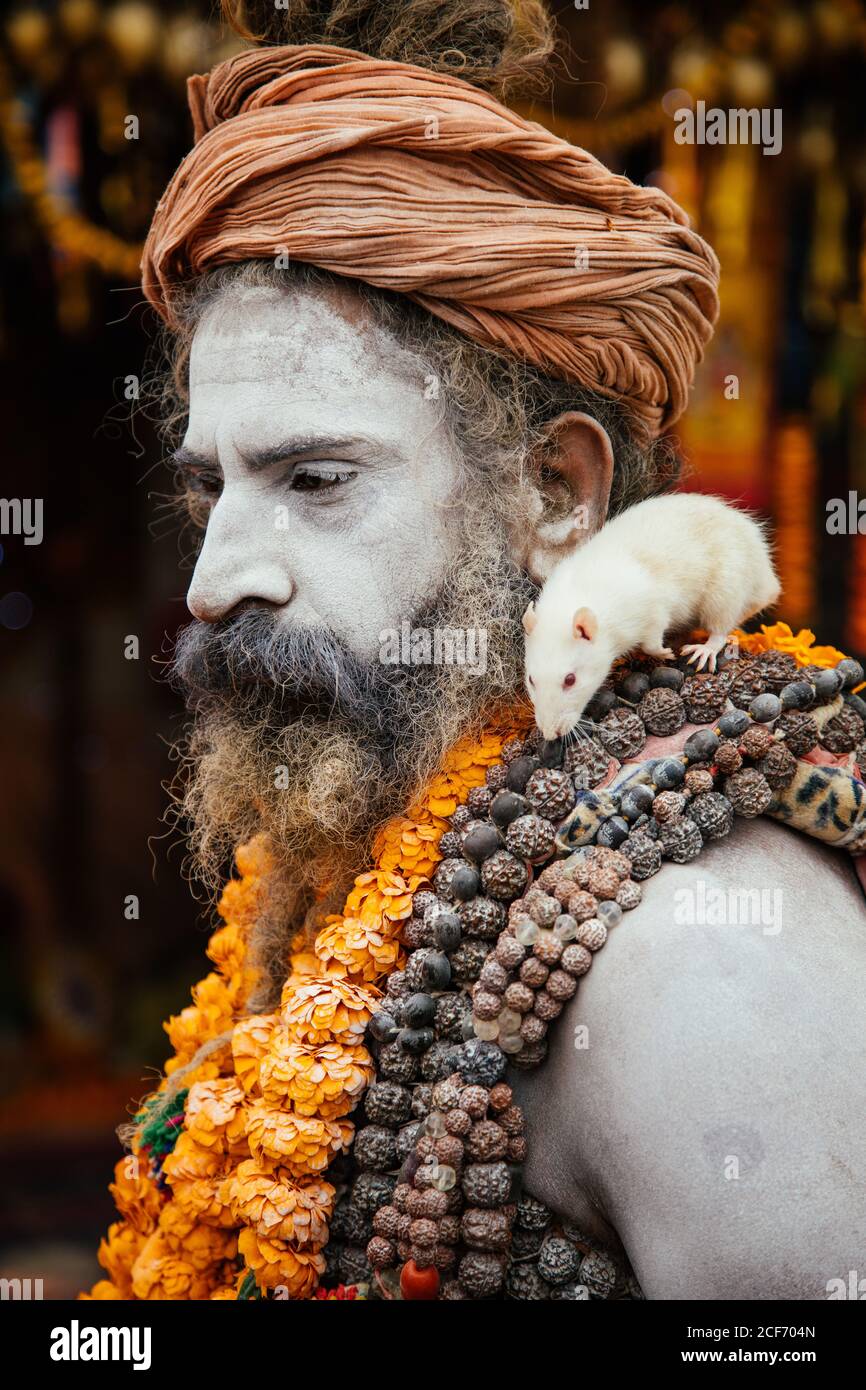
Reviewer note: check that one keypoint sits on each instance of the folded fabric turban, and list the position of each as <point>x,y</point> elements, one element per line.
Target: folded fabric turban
<point>418,182</point>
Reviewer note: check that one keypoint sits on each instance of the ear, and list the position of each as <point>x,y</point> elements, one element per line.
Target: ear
<point>584,624</point>
<point>571,476</point>
<point>530,618</point>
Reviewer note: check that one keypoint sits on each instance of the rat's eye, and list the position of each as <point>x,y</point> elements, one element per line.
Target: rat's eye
<point>569,681</point>
<point>531,681</point>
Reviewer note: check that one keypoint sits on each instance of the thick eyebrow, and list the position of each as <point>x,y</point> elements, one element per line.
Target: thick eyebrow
<point>188,458</point>
<point>259,459</point>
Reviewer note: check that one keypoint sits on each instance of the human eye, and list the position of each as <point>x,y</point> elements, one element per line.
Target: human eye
<point>320,477</point>
<point>199,485</point>
<point>205,482</point>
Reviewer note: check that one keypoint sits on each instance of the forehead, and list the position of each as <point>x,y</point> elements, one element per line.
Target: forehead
<point>315,354</point>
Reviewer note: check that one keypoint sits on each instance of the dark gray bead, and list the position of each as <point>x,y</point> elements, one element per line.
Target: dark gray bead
<point>700,746</point>
<point>519,773</point>
<point>418,1011</point>
<point>601,704</point>
<point>447,931</point>
<point>857,704</point>
<point>634,687</point>
<point>416,1040</point>
<point>465,882</point>
<point>612,832</point>
<point>733,724</point>
<point>668,773</point>
<point>480,842</point>
<point>383,1027</point>
<point>506,806</point>
<point>666,678</point>
<point>851,672</point>
<point>636,801</point>
<point>797,695</point>
<point>765,708</point>
<point>827,685</point>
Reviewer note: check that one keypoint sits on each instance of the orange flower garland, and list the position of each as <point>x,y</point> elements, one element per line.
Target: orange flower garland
<point>779,638</point>
<point>266,1110</point>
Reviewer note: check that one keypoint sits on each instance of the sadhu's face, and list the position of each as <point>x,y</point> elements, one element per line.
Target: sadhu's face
<point>330,476</point>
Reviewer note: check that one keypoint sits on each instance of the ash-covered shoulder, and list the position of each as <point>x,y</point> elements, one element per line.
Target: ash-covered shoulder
<point>765,916</point>
<point>759,857</point>
<point>720,1030</point>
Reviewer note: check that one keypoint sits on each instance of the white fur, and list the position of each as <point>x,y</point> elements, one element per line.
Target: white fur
<point>669,562</point>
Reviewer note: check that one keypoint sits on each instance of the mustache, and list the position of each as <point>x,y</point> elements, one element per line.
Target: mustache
<point>252,663</point>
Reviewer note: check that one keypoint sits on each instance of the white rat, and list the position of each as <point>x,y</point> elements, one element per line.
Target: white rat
<point>671,561</point>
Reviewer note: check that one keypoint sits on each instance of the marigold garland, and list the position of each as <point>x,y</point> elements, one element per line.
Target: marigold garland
<point>779,637</point>
<point>230,1201</point>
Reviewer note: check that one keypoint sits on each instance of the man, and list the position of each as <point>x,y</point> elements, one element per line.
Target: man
<point>361,460</point>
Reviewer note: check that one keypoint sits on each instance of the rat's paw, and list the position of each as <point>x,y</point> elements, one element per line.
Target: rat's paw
<point>702,653</point>
<point>663,653</point>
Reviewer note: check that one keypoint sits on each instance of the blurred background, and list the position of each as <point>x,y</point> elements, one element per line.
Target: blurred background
<point>100,938</point>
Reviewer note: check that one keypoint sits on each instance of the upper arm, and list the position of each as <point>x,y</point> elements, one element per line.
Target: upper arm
<point>718,1112</point>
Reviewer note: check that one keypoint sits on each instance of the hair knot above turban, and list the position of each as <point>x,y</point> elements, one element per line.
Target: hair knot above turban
<point>420,183</point>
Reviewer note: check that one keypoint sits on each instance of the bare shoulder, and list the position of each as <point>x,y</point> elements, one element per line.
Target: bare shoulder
<point>705,1092</point>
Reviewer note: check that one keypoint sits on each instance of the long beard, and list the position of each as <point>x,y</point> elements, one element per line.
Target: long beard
<point>296,737</point>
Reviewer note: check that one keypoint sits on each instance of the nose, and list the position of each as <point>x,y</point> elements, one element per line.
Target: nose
<point>244,558</point>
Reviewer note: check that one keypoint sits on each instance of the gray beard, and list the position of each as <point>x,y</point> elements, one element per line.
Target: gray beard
<point>296,738</point>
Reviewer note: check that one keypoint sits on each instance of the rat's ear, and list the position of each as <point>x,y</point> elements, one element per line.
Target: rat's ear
<point>530,618</point>
<point>570,478</point>
<point>584,624</point>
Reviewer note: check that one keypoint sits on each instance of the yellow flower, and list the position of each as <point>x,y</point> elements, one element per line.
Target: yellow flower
<point>213,1115</point>
<point>175,1225</point>
<point>408,847</point>
<point>200,1200</point>
<point>381,894</point>
<point>278,1206</point>
<point>367,949</point>
<point>224,1293</point>
<point>240,903</point>
<point>326,1009</point>
<point>136,1197</point>
<point>210,1014</point>
<point>160,1274</point>
<point>212,1067</point>
<point>190,1161</point>
<point>779,637</point>
<point>249,1044</point>
<point>278,1266</point>
<point>206,1247</point>
<point>326,1080</point>
<point>306,966</point>
<point>102,1290</point>
<point>301,1143</point>
<point>118,1251</point>
<point>227,949</point>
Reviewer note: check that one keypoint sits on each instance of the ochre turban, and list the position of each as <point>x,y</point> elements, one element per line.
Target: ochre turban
<point>418,182</point>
